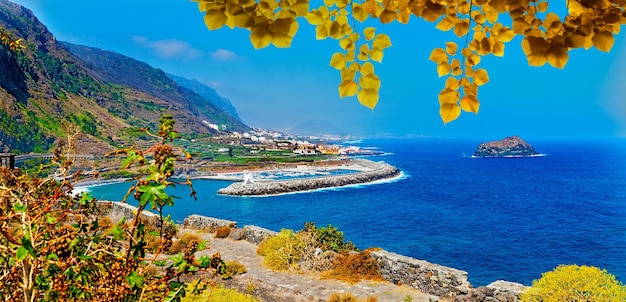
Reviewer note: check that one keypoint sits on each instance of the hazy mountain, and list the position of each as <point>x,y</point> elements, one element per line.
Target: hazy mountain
<point>51,86</point>
<point>207,93</point>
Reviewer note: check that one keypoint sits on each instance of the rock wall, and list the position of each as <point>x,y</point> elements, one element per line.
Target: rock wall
<point>378,171</point>
<point>430,278</point>
<point>118,210</point>
<point>210,224</point>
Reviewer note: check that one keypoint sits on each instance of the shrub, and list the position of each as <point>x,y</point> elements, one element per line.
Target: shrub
<point>222,232</point>
<point>283,251</point>
<point>575,283</point>
<point>186,240</point>
<point>233,268</point>
<point>215,294</point>
<point>355,267</point>
<point>348,297</point>
<point>330,238</point>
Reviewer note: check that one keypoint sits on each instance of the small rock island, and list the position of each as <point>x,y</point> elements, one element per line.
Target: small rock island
<point>512,146</point>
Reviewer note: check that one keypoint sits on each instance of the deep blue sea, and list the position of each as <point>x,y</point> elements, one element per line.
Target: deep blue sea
<point>496,218</point>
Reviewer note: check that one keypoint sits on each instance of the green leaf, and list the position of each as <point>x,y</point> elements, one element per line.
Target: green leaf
<point>21,254</point>
<point>135,280</point>
<point>152,192</point>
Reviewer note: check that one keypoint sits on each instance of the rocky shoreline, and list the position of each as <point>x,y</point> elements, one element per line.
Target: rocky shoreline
<point>512,146</point>
<point>373,171</point>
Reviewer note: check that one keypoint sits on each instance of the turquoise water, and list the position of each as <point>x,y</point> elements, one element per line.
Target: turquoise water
<point>496,218</point>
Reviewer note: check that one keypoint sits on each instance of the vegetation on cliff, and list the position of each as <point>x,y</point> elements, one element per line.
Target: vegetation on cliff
<point>51,87</point>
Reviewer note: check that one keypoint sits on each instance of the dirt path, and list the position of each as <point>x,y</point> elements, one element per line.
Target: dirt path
<point>280,286</point>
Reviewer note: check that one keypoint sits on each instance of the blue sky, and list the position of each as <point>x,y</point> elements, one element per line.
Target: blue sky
<point>281,88</point>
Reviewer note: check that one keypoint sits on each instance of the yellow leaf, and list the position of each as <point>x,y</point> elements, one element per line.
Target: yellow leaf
<point>449,112</point>
<point>480,18</point>
<point>444,69</point>
<point>367,68</point>
<point>346,44</point>
<point>359,13</point>
<point>445,24</point>
<point>371,7</point>
<point>242,20</point>
<point>473,59</point>
<point>348,74</point>
<point>370,81</point>
<point>387,16</point>
<point>321,32</point>
<point>506,35</point>
<point>260,36</point>
<point>315,17</point>
<point>469,89</point>
<point>492,16</point>
<point>348,88</point>
<point>338,61</point>
<point>368,97</point>
<point>552,20</point>
<point>404,16</point>
<point>376,55</point>
<point>283,31</point>
<point>301,8</point>
<point>537,58</point>
<point>452,83</point>
<point>451,48</point>
<point>603,40</point>
<point>350,56</point>
<point>575,41</point>
<point>381,41</point>
<point>369,33</point>
<point>469,103</point>
<point>363,52</point>
<point>558,56</point>
<point>438,55</point>
<point>543,7</point>
<point>461,28</point>
<point>329,3</point>
<point>448,96</point>
<point>481,77</point>
<point>214,19</point>
<point>498,49</point>
<point>520,26</point>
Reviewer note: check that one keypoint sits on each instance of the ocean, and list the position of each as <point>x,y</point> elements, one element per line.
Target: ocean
<point>496,218</point>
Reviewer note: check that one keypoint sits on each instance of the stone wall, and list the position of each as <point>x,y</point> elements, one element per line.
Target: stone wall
<point>210,224</point>
<point>118,210</point>
<point>377,171</point>
<point>430,278</point>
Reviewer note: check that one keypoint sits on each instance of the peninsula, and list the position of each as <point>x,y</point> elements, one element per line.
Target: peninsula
<point>512,146</point>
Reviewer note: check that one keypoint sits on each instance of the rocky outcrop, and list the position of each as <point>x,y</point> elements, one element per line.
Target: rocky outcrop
<point>376,171</point>
<point>209,224</point>
<point>512,146</point>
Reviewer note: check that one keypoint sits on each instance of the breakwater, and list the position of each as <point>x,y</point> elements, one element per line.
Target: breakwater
<point>370,172</point>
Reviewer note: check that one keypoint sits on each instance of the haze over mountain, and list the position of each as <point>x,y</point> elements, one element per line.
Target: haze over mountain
<point>52,86</point>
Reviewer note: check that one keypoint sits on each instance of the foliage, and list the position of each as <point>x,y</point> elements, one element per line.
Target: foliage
<point>348,297</point>
<point>482,27</point>
<point>6,39</point>
<point>22,132</point>
<point>233,268</point>
<point>575,283</point>
<point>55,246</point>
<point>283,251</point>
<point>86,122</point>
<point>222,232</point>
<point>355,267</point>
<point>330,238</point>
<point>213,293</point>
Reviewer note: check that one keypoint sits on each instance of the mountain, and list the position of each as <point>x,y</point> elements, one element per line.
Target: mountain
<point>207,93</point>
<point>52,87</point>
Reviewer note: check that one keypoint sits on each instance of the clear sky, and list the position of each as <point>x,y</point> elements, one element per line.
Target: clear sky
<point>281,88</point>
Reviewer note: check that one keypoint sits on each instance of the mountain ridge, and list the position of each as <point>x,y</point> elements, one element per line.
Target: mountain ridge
<point>52,87</point>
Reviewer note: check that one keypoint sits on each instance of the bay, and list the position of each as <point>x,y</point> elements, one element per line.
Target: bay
<point>496,218</point>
